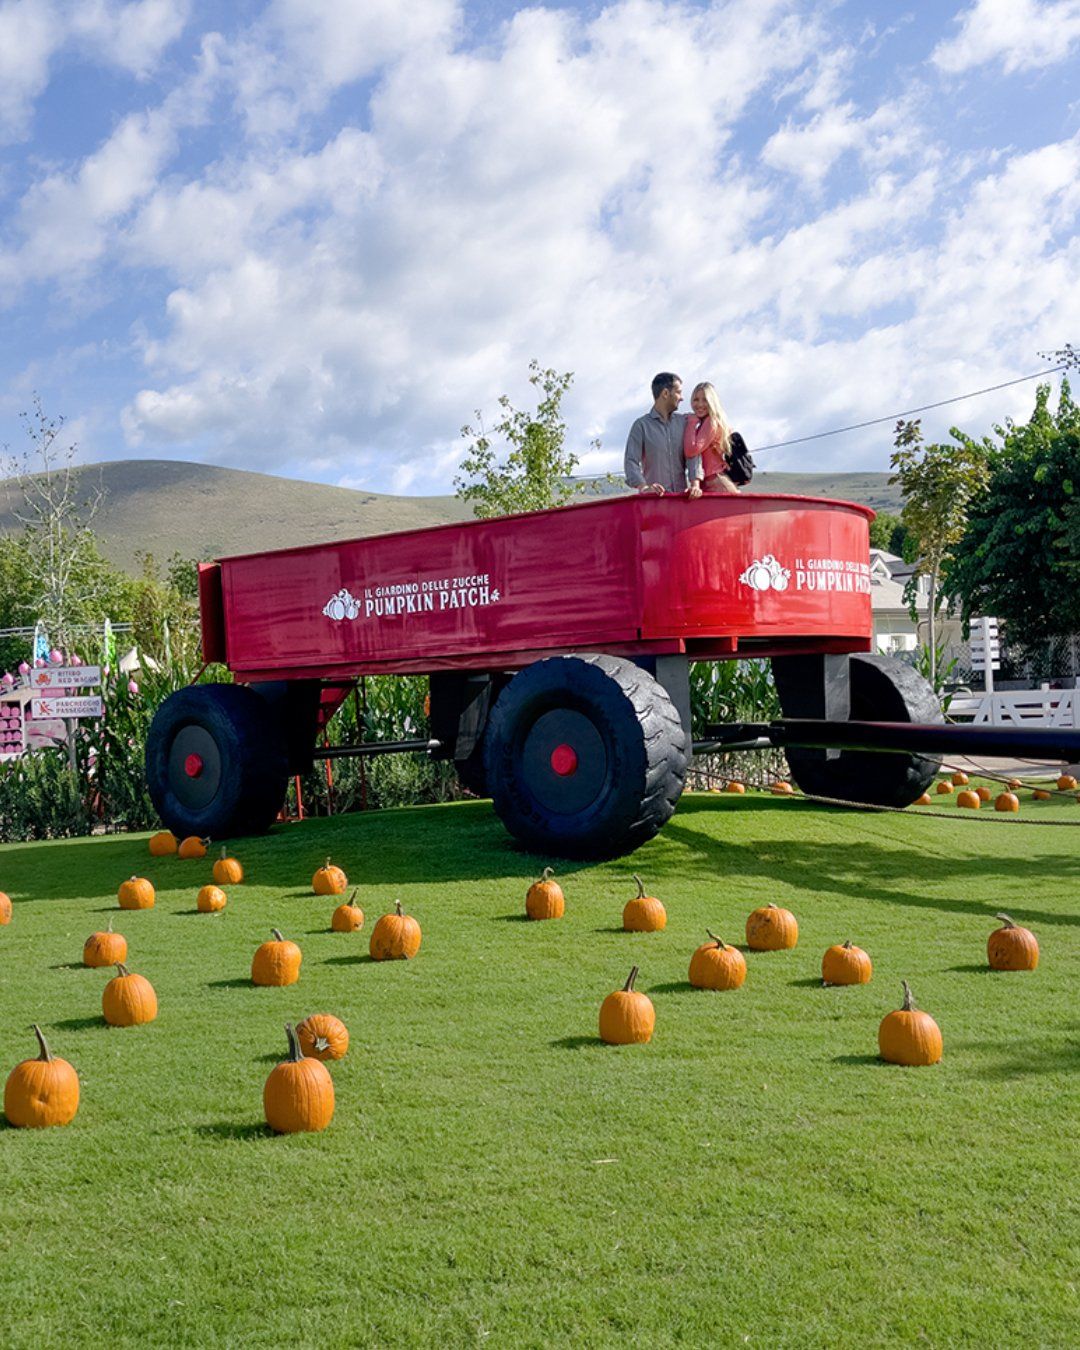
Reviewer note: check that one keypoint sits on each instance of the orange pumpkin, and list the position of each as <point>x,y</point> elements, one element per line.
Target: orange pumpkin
<point>737,787</point>
<point>136,893</point>
<point>1014,784</point>
<point>1041,795</point>
<point>276,963</point>
<point>5,908</point>
<point>329,880</point>
<point>782,789</point>
<point>323,1036</point>
<point>971,800</point>
<point>1012,947</point>
<point>717,965</point>
<point>960,779</point>
<point>924,800</point>
<point>909,1036</point>
<point>643,914</point>
<point>985,794</point>
<point>42,1091</point>
<point>211,900</point>
<point>544,899</point>
<point>627,1017</point>
<point>128,1000</point>
<point>347,918</point>
<point>104,949</point>
<point>227,871</point>
<point>771,929</point>
<point>163,844</point>
<point>396,936</point>
<point>944,788</point>
<point>299,1093</point>
<point>1066,783</point>
<point>846,964</point>
<point>192,847</point>
<point>1007,801</point>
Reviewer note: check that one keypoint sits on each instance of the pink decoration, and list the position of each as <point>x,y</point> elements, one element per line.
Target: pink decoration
<point>9,679</point>
<point>24,669</point>
<point>38,661</point>
<point>56,657</point>
<point>133,688</point>
<point>76,660</point>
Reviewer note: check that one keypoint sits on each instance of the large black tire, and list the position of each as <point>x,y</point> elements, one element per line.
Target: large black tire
<point>615,735</point>
<point>216,762</point>
<point>883,689</point>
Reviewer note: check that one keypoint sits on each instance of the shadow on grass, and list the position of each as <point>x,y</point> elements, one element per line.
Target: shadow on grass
<point>972,969</point>
<point>356,959</point>
<point>612,928</point>
<point>813,983</point>
<point>238,982</point>
<point>511,918</point>
<point>79,1023</point>
<point>817,864</point>
<point>397,846</point>
<point>72,965</point>
<point>229,1129</point>
<point>675,987</point>
<point>861,1059</point>
<point>575,1042</point>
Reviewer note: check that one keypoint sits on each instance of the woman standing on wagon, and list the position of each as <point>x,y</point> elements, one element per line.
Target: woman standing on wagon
<point>708,434</point>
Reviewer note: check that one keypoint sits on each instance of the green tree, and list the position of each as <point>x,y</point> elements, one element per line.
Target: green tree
<point>165,612</point>
<point>1020,554</point>
<point>938,482</point>
<point>888,532</point>
<point>61,575</point>
<point>533,474</point>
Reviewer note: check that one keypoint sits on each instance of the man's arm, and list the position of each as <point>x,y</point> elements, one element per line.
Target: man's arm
<point>633,465</point>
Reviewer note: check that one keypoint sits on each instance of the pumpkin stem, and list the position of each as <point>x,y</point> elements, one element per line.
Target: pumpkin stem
<point>122,970</point>
<point>352,898</point>
<point>224,853</point>
<point>547,874</point>
<point>847,945</point>
<point>109,929</point>
<point>277,934</point>
<point>721,944</point>
<point>1009,923</point>
<point>628,987</point>
<point>909,1002</point>
<point>640,887</point>
<point>397,907</point>
<point>326,863</point>
<point>46,1053</point>
<point>295,1054</point>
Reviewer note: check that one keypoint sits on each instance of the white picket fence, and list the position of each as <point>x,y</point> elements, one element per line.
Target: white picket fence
<point>1019,707</point>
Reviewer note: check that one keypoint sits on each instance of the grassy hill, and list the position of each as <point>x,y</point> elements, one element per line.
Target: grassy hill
<point>202,511</point>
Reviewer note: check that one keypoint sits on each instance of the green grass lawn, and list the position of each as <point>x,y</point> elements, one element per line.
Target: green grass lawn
<point>493,1172</point>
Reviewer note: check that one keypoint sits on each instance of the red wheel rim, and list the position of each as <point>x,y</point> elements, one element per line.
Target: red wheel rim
<point>193,766</point>
<point>564,760</point>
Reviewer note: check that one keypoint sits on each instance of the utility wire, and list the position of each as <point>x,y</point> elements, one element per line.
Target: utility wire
<point>941,403</point>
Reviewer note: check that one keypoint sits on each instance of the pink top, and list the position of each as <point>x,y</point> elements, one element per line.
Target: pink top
<point>700,438</point>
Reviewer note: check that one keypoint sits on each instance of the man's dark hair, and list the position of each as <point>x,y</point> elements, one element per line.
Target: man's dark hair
<point>665,380</point>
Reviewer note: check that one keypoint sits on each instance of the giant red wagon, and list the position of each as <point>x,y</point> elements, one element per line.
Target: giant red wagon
<point>558,646</point>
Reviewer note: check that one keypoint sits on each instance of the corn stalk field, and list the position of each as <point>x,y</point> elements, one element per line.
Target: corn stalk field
<point>494,1173</point>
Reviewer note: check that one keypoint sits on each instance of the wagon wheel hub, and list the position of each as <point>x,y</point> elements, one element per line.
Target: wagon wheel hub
<point>564,760</point>
<point>193,765</point>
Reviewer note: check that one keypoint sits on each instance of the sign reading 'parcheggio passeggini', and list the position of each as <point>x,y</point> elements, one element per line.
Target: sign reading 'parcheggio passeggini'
<point>395,599</point>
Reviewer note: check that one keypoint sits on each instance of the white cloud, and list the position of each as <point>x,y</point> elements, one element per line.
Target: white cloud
<point>132,36</point>
<point>1021,34</point>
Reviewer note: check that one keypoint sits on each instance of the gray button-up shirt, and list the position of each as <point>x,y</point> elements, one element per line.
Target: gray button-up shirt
<point>654,453</point>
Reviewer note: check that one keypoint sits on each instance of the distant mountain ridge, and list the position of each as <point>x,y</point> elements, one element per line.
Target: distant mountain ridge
<point>203,511</point>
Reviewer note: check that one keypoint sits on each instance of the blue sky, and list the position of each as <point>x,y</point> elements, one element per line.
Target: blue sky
<point>312,237</point>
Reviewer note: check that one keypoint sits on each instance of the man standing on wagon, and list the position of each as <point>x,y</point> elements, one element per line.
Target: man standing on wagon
<point>654,449</point>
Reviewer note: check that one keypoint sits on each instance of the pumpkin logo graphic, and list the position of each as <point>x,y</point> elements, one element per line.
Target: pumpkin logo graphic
<point>342,606</point>
<point>766,574</point>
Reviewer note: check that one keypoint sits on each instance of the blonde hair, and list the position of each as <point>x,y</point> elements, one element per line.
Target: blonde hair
<point>717,416</point>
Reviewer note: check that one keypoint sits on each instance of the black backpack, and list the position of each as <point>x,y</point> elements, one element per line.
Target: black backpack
<point>740,467</point>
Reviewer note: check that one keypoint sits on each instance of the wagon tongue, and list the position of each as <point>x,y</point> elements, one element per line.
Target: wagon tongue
<point>1050,743</point>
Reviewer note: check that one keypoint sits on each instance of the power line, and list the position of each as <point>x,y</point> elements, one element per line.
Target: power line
<point>889,417</point>
<point>941,403</point>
